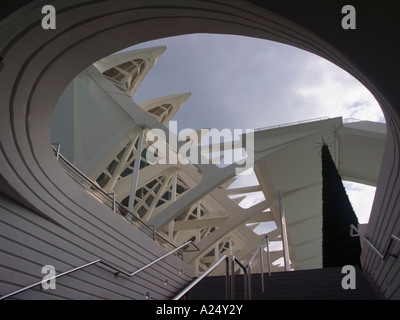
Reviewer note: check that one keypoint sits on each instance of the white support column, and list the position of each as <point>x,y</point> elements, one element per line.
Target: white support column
<point>173,199</point>
<point>198,238</point>
<point>136,168</point>
<point>198,210</point>
<point>284,234</point>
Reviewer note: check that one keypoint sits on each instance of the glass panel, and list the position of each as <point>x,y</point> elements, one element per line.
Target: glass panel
<point>102,180</point>
<point>112,166</point>
<point>126,172</point>
<point>158,111</point>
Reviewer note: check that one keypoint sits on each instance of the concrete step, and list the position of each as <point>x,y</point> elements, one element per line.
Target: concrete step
<point>316,284</point>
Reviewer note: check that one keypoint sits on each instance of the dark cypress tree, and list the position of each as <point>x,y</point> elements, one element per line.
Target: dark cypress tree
<point>338,247</point>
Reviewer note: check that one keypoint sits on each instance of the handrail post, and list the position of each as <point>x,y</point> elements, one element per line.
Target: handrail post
<point>388,244</point>
<point>262,269</point>
<point>259,251</point>
<point>58,150</point>
<point>233,278</point>
<point>195,282</point>
<point>227,278</point>
<point>56,147</point>
<point>154,232</point>
<point>268,255</point>
<point>112,194</point>
<point>246,285</point>
<point>249,282</point>
<point>244,276</point>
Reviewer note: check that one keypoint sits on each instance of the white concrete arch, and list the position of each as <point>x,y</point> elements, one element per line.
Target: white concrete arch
<point>95,20</point>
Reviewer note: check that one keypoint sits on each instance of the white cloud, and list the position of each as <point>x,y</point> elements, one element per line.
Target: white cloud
<point>240,82</point>
<point>361,198</point>
<point>324,87</point>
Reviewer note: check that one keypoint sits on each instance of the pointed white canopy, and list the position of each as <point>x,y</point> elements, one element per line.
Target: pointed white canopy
<point>164,108</point>
<point>127,69</point>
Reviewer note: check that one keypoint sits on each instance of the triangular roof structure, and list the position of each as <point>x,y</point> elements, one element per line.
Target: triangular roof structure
<point>127,69</point>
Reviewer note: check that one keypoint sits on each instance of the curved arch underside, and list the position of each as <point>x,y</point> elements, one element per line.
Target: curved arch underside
<point>37,65</point>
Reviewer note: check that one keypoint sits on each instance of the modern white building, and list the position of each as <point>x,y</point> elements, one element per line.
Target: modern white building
<point>102,141</point>
<point>74,195</point>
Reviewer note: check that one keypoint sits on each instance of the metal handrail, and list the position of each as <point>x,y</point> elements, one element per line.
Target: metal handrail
<point>291,123</point>
<point>246,272</point>
<point>158,259</point>
<point>233,291</point>
<point>385,252</point>
<point>122,210</point>
<point>248,267</point>
<point>108,264</point>
<point>52,278</point>
<point>205,274</point>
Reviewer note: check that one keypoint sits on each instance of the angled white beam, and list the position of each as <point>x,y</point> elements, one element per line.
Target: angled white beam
<point>147,174</point>
<point>177,234</point>
<point>243,190</point>
<point>238,199</point>
<point>214,176</point>
<point>173,199</point>
<point>230,145</point>
<point>135,174</point>
<point>284,233</point>
<point>275,255</point>
<point>123,163</point>
<point>199,223</point>
<point>168,176</point>
<point>274,235</point>
<point>235,220</point>
<point>204,187</point>
<point>261,217</point>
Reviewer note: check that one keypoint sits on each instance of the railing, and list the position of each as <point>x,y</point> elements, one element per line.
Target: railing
<point>388,245</point>
<point>259,250</point>
<point>277,126</point>
<point>98,261</point>
<point>291,124</point>
<point>245,278</point>
<point>205,274</point>
<point>229,285</point>
<point>230,291</point>
<point>108,199</point>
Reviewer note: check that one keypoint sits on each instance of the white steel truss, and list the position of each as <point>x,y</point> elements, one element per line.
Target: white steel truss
<point>200,206</point>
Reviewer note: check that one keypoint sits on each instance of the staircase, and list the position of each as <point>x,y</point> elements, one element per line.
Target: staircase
<point>315,284</point>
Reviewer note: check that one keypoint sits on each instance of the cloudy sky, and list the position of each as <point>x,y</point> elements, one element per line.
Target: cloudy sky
<point>244,83</point>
